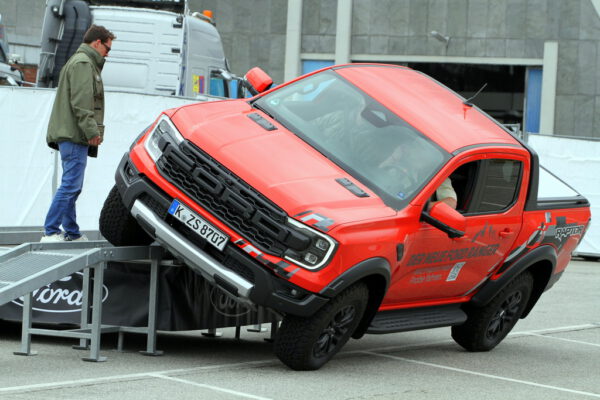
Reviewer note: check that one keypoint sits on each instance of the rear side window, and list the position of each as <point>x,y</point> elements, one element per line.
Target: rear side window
<point>497,186</point>
<point>551,186</point>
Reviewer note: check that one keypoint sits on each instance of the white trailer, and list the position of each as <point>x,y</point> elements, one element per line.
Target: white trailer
<point>161,47</point>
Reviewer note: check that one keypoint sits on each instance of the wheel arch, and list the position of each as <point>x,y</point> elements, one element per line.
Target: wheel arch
<point>540,262</point>
<point>375,273</point>
<point>541,272</point>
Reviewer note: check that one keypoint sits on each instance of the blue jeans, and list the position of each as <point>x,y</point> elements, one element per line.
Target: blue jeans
<point>62,209</point>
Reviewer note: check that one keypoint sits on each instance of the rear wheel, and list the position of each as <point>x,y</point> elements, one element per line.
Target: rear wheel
<point>487,326</point>
<point>308,343</point>
<point>117,224</point>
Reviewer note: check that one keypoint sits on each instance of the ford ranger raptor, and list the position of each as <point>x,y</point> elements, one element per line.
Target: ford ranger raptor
<point>317,200</point>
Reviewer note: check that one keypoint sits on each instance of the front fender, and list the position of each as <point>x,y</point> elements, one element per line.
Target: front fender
<point>376,273</point>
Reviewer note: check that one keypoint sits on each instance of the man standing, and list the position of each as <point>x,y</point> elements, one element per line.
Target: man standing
<point>76,129</point>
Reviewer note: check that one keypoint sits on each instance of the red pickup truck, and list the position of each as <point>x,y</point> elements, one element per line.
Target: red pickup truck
<point>317,200</point>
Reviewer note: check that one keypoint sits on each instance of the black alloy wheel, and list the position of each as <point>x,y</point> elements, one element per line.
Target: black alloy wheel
<point>335,332</point>
<point>487,326</point>
<point>308,343</point>
<point>506,316</point>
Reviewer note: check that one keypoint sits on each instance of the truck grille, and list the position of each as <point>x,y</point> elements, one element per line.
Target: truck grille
<point>226,196</point>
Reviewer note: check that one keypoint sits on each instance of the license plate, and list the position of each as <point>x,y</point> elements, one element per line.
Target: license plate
<point>197,224</point>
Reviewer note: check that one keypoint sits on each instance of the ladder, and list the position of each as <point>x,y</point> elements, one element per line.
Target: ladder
<point>30,266</point>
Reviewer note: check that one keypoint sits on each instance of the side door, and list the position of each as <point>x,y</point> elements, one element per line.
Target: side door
<point>490,195</point>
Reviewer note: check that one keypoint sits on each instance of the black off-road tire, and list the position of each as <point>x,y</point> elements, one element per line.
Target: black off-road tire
<point>117,224</point>
<point>487,326</point>
<point>307,344</point>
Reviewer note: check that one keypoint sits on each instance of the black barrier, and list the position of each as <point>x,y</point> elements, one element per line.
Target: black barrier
<point>186,301</point>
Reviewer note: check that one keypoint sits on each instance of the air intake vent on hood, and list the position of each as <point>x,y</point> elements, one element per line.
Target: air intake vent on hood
<point>355,190</point>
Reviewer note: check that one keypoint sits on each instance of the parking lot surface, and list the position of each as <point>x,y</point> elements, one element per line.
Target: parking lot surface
<point>553,354</point>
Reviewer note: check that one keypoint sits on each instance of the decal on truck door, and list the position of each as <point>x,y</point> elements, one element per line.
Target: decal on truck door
<point>555,235</point>
<point>451,255</point>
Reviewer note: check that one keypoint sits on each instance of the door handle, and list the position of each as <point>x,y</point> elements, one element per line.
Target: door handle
<point>506,233</point>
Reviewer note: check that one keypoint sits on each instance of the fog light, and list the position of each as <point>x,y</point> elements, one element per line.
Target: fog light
<point>322,244</point>
<point>311,258</point>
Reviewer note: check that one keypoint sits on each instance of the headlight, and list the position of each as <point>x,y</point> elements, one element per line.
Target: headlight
<point>164,129</point>
<point>319,251</point>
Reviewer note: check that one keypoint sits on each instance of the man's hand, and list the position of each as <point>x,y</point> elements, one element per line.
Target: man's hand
<point>95,141</point>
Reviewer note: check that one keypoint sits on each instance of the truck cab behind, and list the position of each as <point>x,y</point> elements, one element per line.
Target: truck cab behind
<point>160,49</point>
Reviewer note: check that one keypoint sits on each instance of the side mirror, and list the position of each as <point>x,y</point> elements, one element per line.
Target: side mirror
<point>446,219</point>
<point>257,81</point>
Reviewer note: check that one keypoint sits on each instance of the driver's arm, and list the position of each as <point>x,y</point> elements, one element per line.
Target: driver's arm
<point>446,194</point>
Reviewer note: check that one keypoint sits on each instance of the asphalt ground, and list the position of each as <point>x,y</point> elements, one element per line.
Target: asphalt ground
<point>553,354</point>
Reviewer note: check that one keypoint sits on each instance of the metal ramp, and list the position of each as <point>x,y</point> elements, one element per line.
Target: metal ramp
<point>30,266</point>
<point>21,234</point>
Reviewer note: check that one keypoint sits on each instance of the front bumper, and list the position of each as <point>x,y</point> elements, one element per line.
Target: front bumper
<point>233,270</point>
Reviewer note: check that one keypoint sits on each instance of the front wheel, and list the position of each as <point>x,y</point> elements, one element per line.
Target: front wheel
<point>487,326</point>
<point>117,224</point>
<point>308,343</point>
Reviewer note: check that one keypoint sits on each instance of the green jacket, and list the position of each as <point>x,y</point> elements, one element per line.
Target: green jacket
<point>78,111</point>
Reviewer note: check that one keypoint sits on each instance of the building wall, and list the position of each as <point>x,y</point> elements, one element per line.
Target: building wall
<point>254,33</point>
<point>23,22</point>
<point>319,20</point>
<point>499,29</point>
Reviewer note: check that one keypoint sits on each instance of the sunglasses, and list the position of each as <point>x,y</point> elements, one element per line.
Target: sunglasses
<point>106,47</point>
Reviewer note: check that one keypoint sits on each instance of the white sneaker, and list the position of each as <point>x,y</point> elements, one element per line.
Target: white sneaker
<point>55,237</point>
<point>81,238</point>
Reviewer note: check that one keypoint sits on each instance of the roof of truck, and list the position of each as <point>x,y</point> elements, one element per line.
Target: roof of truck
<point>427,105</point>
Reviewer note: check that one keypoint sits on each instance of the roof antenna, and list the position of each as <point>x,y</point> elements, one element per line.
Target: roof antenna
<point>467,102</point>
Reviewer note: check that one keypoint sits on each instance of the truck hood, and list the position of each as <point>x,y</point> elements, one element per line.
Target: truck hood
<point>278,164</point>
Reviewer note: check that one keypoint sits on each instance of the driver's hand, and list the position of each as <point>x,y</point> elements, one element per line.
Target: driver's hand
<point>95,141</point>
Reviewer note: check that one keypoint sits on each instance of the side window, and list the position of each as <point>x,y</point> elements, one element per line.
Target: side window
<point>463,182</point>
<point>486,186</point>
<point>497,185</point>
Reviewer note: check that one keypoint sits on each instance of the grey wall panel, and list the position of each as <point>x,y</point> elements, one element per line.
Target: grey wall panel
<point>253,33</point>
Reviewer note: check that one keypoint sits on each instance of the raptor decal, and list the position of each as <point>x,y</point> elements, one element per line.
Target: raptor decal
<point>545,233</point>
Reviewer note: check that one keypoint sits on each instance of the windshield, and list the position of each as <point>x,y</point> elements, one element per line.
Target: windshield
<point>359,134</point>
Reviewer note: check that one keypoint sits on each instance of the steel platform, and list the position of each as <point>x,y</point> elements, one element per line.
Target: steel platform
<point>30,266</point>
